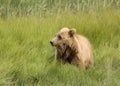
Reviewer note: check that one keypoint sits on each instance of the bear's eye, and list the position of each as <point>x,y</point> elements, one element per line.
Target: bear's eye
<point>59,37</point>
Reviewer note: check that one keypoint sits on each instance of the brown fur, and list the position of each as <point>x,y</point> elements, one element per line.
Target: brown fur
<point>72,48</point>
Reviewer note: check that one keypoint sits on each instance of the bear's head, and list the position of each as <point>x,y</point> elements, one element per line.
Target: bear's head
<point>63,38</point>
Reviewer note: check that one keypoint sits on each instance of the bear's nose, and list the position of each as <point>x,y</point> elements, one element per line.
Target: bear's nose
<point>51,43</point>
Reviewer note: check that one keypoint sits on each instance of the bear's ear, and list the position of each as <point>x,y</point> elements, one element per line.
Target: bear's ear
<point>72,32</point>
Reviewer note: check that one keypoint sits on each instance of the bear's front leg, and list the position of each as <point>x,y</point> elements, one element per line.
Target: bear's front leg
<point>57,56</point>
<point>74,61</point>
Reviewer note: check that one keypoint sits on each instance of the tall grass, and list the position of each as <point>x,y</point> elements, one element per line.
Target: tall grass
<point>27,26</point>
<point>12,8</point>
<point>27,59</point>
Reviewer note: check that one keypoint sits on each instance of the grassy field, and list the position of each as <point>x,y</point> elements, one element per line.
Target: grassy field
<point>27,58</point>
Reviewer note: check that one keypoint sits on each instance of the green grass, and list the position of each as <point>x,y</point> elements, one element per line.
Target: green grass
<point>12,8</point>
<point>27,58</point>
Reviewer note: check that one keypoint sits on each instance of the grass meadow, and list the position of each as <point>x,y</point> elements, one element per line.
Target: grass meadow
<point>27,58</point>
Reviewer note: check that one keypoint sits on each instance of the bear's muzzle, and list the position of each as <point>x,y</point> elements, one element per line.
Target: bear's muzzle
<point>51,43</point>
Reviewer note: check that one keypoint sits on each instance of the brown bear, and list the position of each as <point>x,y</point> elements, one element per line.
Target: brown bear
<point>72,48</point>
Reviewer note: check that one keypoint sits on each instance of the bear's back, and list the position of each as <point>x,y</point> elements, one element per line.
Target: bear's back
<point>85,49</point>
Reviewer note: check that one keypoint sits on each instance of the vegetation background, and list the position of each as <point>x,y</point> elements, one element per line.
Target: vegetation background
<point>27,26</point>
